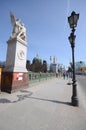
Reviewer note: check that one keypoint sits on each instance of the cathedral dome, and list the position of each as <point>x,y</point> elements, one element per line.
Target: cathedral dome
<point>36,59</point>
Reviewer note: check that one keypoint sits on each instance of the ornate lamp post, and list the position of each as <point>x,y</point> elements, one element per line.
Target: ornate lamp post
<point>73,19</point>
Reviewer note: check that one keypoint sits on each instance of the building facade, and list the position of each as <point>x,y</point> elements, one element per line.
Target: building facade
<point>80,67</point>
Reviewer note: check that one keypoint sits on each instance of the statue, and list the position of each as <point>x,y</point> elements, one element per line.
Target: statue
<point>19,29</point>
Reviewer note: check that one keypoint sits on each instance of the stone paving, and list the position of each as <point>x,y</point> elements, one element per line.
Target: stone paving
<point>44,106</point>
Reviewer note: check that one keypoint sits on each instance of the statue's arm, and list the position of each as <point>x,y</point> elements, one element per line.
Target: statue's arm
<point>12,18</point>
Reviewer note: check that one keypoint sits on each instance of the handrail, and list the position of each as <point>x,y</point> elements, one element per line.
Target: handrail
<point>39,76</point>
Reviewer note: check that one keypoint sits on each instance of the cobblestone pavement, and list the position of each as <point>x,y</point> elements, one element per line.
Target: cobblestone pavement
<point>44,106</point>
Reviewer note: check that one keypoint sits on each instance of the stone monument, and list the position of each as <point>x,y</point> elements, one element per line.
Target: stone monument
<point>15,75</point>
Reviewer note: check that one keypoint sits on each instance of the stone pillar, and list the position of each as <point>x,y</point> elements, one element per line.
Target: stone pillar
<point>15,75</point>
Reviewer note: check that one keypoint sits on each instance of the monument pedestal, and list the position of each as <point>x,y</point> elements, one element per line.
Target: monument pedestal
<point>13,81</point>
<point>14,75</point>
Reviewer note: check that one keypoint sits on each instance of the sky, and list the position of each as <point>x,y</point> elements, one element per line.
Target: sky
<point>47,28</point>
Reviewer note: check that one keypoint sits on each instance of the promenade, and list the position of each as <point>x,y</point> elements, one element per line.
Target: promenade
<point>43,106</point>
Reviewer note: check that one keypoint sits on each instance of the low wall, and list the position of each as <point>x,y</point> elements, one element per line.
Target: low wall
<point>9,81</point>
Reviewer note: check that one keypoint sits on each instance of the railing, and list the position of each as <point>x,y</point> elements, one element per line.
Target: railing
<point>37,77</point>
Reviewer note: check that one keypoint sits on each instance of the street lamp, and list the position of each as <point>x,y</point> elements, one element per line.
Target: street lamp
<point>73,19</point>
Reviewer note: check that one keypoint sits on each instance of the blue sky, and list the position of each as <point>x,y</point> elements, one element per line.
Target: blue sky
<point>47,28</point>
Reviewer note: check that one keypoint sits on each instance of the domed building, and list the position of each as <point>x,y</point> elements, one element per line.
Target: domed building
<point>37,59</point>
<point>36,64</point>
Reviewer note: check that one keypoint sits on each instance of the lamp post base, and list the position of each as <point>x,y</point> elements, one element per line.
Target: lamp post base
<point>75,101</point>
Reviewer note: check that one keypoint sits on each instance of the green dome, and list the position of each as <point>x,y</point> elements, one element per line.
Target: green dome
<point>36,59</point>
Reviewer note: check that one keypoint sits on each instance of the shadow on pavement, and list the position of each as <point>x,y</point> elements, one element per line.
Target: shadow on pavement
<point>53,101</point>
<point>25,96</point>
<point>4,100</point>
<point>20,97</point>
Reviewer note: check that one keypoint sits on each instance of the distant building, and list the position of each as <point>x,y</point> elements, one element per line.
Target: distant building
<point>37,59</point>
<point>38,65</point>
<point>54,65</point>
<point>80,67</point>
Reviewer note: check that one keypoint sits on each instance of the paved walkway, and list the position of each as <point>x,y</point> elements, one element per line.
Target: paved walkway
<point>44,106</point>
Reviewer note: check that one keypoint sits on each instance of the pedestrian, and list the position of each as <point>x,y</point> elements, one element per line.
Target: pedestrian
<point>67,75</point>
<point>64,75</point>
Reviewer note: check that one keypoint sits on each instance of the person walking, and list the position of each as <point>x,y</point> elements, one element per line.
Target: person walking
<point>64,75</point>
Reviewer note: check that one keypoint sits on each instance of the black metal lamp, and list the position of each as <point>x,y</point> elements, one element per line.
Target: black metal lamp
<point>73,19</point>
<point>72,39</point>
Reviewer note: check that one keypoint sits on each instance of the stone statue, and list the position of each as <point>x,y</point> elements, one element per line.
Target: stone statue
<point>19,29</point>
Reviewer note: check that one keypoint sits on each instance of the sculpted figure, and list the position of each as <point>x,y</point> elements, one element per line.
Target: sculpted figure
<point>19,29</point>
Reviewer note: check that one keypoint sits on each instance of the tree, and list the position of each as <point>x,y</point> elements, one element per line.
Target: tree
<point>28,65</point>
<point>69,69</point>
<point>44,66</point>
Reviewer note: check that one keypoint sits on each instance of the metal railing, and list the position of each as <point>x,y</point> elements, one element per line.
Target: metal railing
<point>37,77</point>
